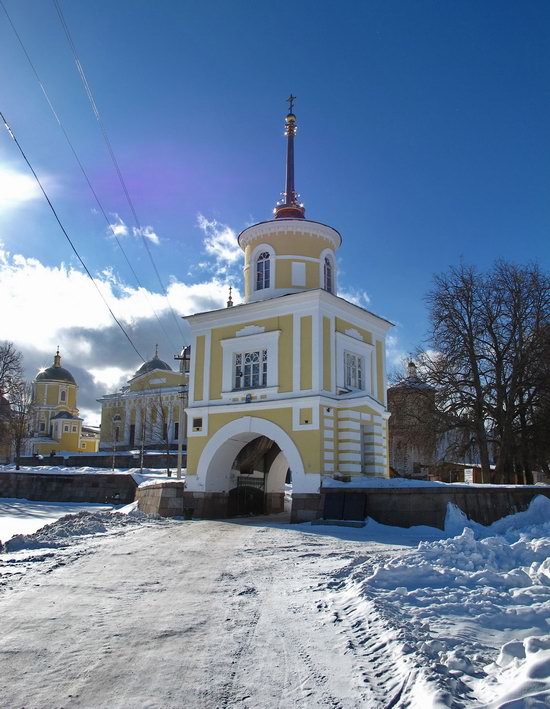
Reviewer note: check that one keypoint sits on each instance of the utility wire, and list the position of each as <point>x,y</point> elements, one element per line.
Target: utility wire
<point>71,146</point>
<point>95,110</point>
<point>68,237</point>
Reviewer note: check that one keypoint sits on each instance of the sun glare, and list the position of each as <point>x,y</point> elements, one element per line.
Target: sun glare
<point>16,188</point>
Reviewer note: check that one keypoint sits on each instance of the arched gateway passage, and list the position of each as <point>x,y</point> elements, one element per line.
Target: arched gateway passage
<point>249,459</point>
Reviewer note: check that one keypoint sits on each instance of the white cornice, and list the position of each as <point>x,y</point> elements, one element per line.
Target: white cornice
<point>286,304</point>
<point>295,226</point>
<point>222,407</point>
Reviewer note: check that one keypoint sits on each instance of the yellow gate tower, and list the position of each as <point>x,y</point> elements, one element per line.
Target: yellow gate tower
<point>289,386</point>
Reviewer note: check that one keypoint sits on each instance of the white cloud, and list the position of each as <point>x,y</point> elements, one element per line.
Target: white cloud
<point>148,233</point>
<point>220,242</point>
<point>118,227</point>
<point>111,378</point>
<point>395,354</point>
<point>45,306</point>
<point>16,188</point>
<point>355,295</point>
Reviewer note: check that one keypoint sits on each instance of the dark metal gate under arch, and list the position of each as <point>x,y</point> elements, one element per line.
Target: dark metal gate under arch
<point>248,498</point>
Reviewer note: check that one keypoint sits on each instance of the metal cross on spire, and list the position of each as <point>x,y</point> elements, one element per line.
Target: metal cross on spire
<point>291,100</point>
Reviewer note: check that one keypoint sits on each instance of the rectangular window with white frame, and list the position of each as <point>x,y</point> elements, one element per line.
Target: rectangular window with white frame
<point>354,367</point>
<point>250,370</point>
<point>355,370</point>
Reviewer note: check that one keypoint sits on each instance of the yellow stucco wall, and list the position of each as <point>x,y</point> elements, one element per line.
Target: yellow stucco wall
<point>150,381</point>
<point>307,442</point>
<point>288,244</point>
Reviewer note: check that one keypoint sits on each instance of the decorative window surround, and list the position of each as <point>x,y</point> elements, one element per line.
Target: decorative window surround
<point>263,271</point>
<point>346,344</point>
<point>263,292</point>
<point>327,257</point>
<point>268,341</point>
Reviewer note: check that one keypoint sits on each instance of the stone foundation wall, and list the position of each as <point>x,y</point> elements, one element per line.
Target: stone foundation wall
<point>166,498</point>
<point>274,502</point>
<point>407,507</point>
<point>306,507</point>
<point>208,505</point>
<point>68,487</point>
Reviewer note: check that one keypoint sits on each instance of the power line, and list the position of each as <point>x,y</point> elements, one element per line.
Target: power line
<point>68,237</point>
<point>95,110</point>
<point>71,146</point>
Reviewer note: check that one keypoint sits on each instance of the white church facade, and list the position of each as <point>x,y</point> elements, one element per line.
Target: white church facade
<point>290,385</point>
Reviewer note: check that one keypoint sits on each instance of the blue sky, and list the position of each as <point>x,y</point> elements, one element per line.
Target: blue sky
<point>423,138</point>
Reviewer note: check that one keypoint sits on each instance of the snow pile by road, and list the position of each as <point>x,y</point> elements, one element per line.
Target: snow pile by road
<point>468,616</point>
<point>62,532</point>
<point>21,516</point>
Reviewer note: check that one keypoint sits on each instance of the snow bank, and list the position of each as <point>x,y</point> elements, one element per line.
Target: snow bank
<point>21,516</point>
<point>472,609</point>
<point>62,532</point>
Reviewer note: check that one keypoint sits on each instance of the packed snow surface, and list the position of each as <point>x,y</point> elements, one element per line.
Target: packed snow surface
<point>258,613</point>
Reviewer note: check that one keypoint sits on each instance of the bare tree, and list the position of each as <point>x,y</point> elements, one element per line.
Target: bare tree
<point>21,410</point>
<point>160,425</point>
<point>11,368</point>
<point>486,360</point>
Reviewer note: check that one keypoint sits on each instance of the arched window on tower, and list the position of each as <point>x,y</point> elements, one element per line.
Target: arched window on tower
<point>263,271</point>
<point>327,273</point>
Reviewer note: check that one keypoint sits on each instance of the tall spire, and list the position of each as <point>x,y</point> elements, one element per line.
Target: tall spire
<point>290,208</point>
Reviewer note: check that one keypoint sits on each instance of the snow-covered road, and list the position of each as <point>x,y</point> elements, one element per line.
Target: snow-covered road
<point>120,610</point>
<point>203,614</point>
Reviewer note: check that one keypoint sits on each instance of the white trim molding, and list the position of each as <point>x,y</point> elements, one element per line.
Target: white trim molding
<point>295,226</point>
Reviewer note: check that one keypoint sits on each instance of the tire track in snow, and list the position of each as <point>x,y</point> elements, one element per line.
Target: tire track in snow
<point>376,635</point>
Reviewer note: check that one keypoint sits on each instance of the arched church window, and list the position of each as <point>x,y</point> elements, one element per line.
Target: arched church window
<point>327,281</point>
<point>263,271</point>
<point>63,395</point>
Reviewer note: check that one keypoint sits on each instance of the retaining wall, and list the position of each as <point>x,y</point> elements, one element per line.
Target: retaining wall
<point>122,460</point>
<point>166,499</point>
<point>407,507</point>
<point>68,487</point>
